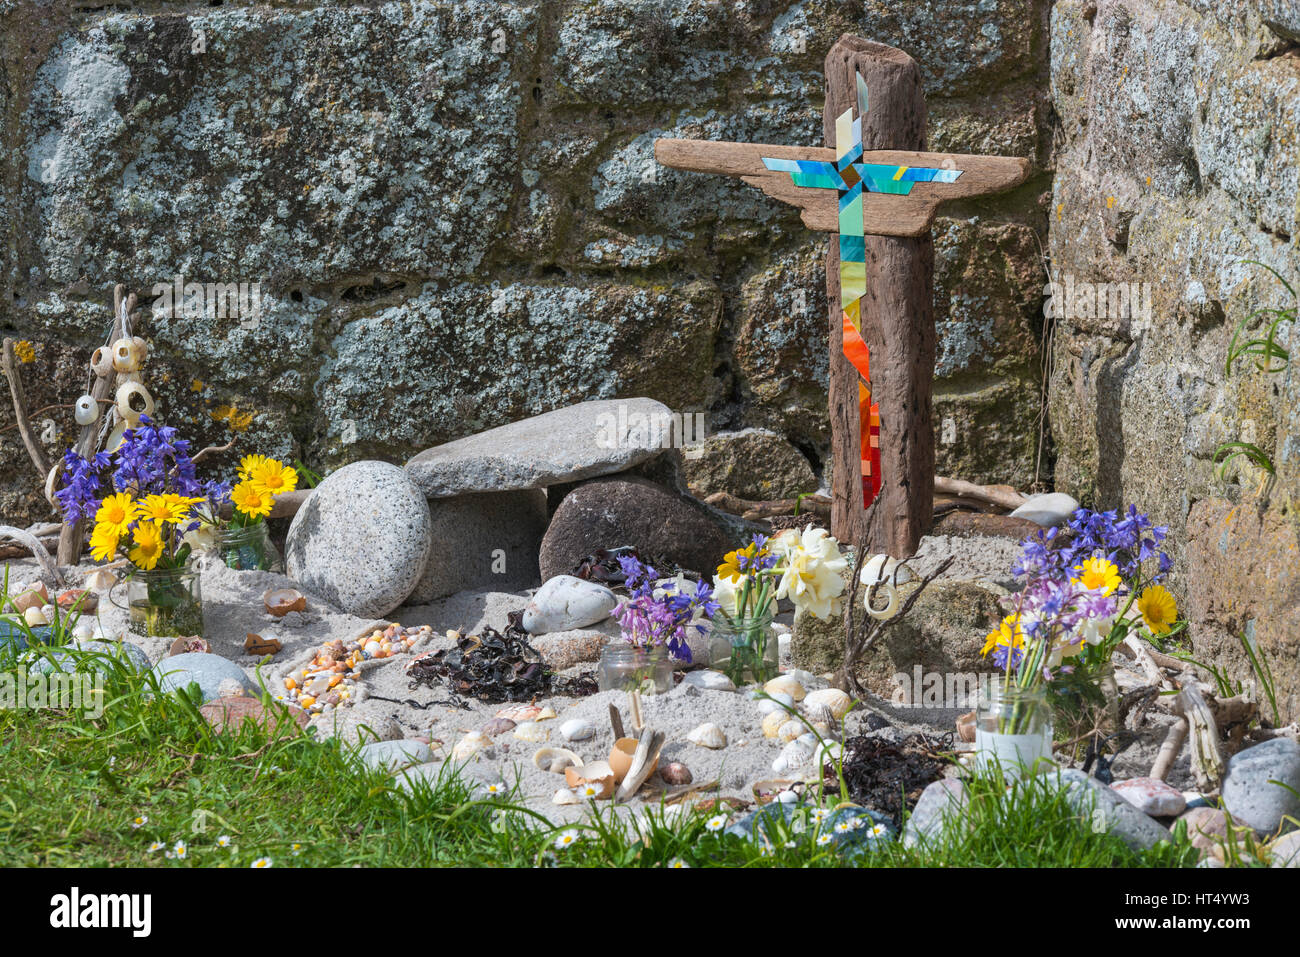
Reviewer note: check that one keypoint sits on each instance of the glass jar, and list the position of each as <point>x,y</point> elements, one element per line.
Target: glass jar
<point>249,548</point>
<point>165,602</point>
<point>1013,729</point>
<point>744,649</point>
<point>624,667</point>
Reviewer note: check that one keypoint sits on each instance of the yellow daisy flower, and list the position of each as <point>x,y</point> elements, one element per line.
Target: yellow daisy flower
<point>103,542</point>
<point>148,546</point>
<point>731,562</point>
<point>116,512</point>
<point>251,500</point>
<point>1007,634</point>
<point>160,509</point>
<point>274,477</point>
<point>248,463</point>
<point>1158,609</point>
<point>1097,574</point>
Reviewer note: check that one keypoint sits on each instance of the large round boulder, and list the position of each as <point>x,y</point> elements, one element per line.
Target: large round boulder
<point>660,524</point>
<point>361,539</point>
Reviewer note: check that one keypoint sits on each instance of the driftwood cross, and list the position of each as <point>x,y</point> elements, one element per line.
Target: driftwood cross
<point>879,192</point>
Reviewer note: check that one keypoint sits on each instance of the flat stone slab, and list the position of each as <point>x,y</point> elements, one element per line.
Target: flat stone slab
<point>578,442</point>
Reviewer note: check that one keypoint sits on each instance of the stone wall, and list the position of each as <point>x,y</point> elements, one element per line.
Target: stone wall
<point>455,218</point>
<point>1177,158</point>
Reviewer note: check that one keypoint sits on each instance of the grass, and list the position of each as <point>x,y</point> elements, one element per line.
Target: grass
<point>124,786</point>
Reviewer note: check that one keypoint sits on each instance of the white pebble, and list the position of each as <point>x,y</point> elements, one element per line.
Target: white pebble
<point>577,730</point>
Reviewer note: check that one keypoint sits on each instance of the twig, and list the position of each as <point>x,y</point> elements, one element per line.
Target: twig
<point>616,722</point>
<point>1169,749</point>
<point>212,450</point>
<point>39,552</point>
<point>1207,756</point>
<point>34,450</point>
<point>981,493</point>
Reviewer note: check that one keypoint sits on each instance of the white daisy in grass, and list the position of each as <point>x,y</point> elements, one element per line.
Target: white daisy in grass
<point>223,840</point>
<point>296,849</point>
<point>843,827</point>
<point>823,840</point>
<point>790,845</point>
<point>590,791</point>
<point>155,847</point>
<point>496,789</point>
<point>566,839</point>
<point>180,850</point>
<point>819,814</point>
<point>879,830</point>
<point>139,822</point>
<point>677,864</point>
<point>261,862</point>
<point>716,823</point>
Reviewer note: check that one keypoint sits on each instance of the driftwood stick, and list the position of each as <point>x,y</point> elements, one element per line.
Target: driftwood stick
<point>616,722</point>
<point>818,505</point>
<point>39,552</point>
<point>980,493</point>
<point>211,450</point>
<point>19,398</point>
<point>1207,756</point>
<point>643,763</point>
<point>1169,749</point>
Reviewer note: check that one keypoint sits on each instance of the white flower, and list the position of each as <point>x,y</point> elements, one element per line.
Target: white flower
<point>727,596</point>
<point>180,850</point>
<point>297,849</point>
<point>1095,630</point>
<point>677,863</point>
<point>879,830</point>
<point>589,790</point>
<point>566,839</point>
<point>819,814</point>
<point>261,862</point>
<point>139,822</point>
<point>494,789</point>
<point>823,840</point>
<point>223,840</point>
<point>155,847</point>
<point>843,827</point>
<point>717,822</point>
<point>812,567</point>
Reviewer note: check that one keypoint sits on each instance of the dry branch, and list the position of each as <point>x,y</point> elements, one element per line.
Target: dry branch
<point>992,494</point>
<point>19,397</point>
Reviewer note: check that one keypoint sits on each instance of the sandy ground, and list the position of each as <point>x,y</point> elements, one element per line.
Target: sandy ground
<point>233,608</point>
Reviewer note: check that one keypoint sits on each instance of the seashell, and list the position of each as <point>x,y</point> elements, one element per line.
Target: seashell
<point>280,601</point>
<point>772,722</point>
<point>966,726</point>
<point>825,729</point>
<point>33,597</point>
<point>880,568</point>
<point>709,681</point>
<point>101,579</point>
<point>793,755</point>
<point>498,726</point>
<point>676,774</point>
<point>565,796</point>
<point>79,599</point>
<point>83,632</point>
<point>192,644</point>
<point>519,712</point>
<point>373,648</point>
<point>133,401</point>
<point>621,755</point>
<point>598,772</point>
<point>470,745</point>
<point>576,729</point>
<point>126,357</point>
<point>886,601</point>
<point>826,753</point>
<point>833,699</point>
<point>545,714</point>
<point>101,362</point>
<point>230,688</point>
<point>805,678</point>
<point>556,760</point>
<point>85,411</point>
<point>789,731</point>
<point>531,731</point>
<point>35,617</point>
<point>51,481</point>
<point>775,704</point>
<point>767,791</point>
<point>785,685</point>
<point>708,735</point>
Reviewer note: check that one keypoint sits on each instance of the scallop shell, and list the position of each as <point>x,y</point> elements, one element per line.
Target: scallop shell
<point>545,714</point>
<point>498,726</point>
<point>836,700</point>
<point>772,723</point>
<point>708,735</point>
<point>785,685</point>
<point>531,731</point>
<point>280,601</point>
<point>519,712</point>
<point>35,617</point>
<point>556,760</point>
<point>793,755</point>
<point>767,706</point>
<point>101,579</point>
<point>470,745</point>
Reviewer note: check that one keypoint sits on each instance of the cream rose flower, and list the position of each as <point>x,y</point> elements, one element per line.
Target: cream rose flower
<point>811,568</point>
